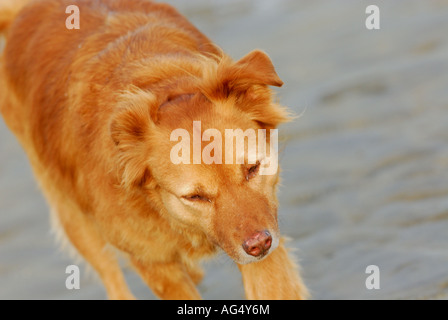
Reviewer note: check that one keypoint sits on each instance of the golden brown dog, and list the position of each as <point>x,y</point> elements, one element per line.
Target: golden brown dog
<point>95,108</point>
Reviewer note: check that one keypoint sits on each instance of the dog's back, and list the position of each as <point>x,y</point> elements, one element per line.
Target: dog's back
<point>37,53</point>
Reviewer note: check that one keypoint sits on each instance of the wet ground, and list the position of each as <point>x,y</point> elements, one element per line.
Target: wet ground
<point>365,179</point>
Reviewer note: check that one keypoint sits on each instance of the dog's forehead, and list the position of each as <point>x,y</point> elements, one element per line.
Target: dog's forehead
<point>220,115</point>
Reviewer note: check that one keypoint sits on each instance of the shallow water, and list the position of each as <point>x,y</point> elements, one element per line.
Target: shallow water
<point>365,177</point>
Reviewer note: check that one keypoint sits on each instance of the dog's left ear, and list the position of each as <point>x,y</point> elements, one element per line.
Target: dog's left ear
<point>257,66</point>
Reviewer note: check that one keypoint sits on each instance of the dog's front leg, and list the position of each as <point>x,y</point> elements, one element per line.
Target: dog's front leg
<point>168,280</point>
<point>274,278</point>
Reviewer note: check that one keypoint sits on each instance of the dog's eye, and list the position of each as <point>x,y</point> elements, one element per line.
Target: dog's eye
<point>252,171</point>
<point>197,197</point>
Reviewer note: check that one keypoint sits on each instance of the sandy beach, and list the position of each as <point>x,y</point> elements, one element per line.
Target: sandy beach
<point>364,167</point>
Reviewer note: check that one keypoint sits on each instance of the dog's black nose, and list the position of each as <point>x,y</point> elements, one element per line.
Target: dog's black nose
<point>258,244</point>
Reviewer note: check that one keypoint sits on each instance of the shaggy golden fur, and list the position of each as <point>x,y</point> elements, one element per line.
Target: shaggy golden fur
<point>94,109</point>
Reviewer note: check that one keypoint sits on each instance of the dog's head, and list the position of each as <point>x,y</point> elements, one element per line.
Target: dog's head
<point>196,145</point>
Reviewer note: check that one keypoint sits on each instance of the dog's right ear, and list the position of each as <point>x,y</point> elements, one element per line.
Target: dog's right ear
<point>258,67</point>
<point>129,130</point>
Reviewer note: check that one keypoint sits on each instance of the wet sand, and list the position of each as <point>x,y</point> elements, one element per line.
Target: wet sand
<point>365,177</point>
